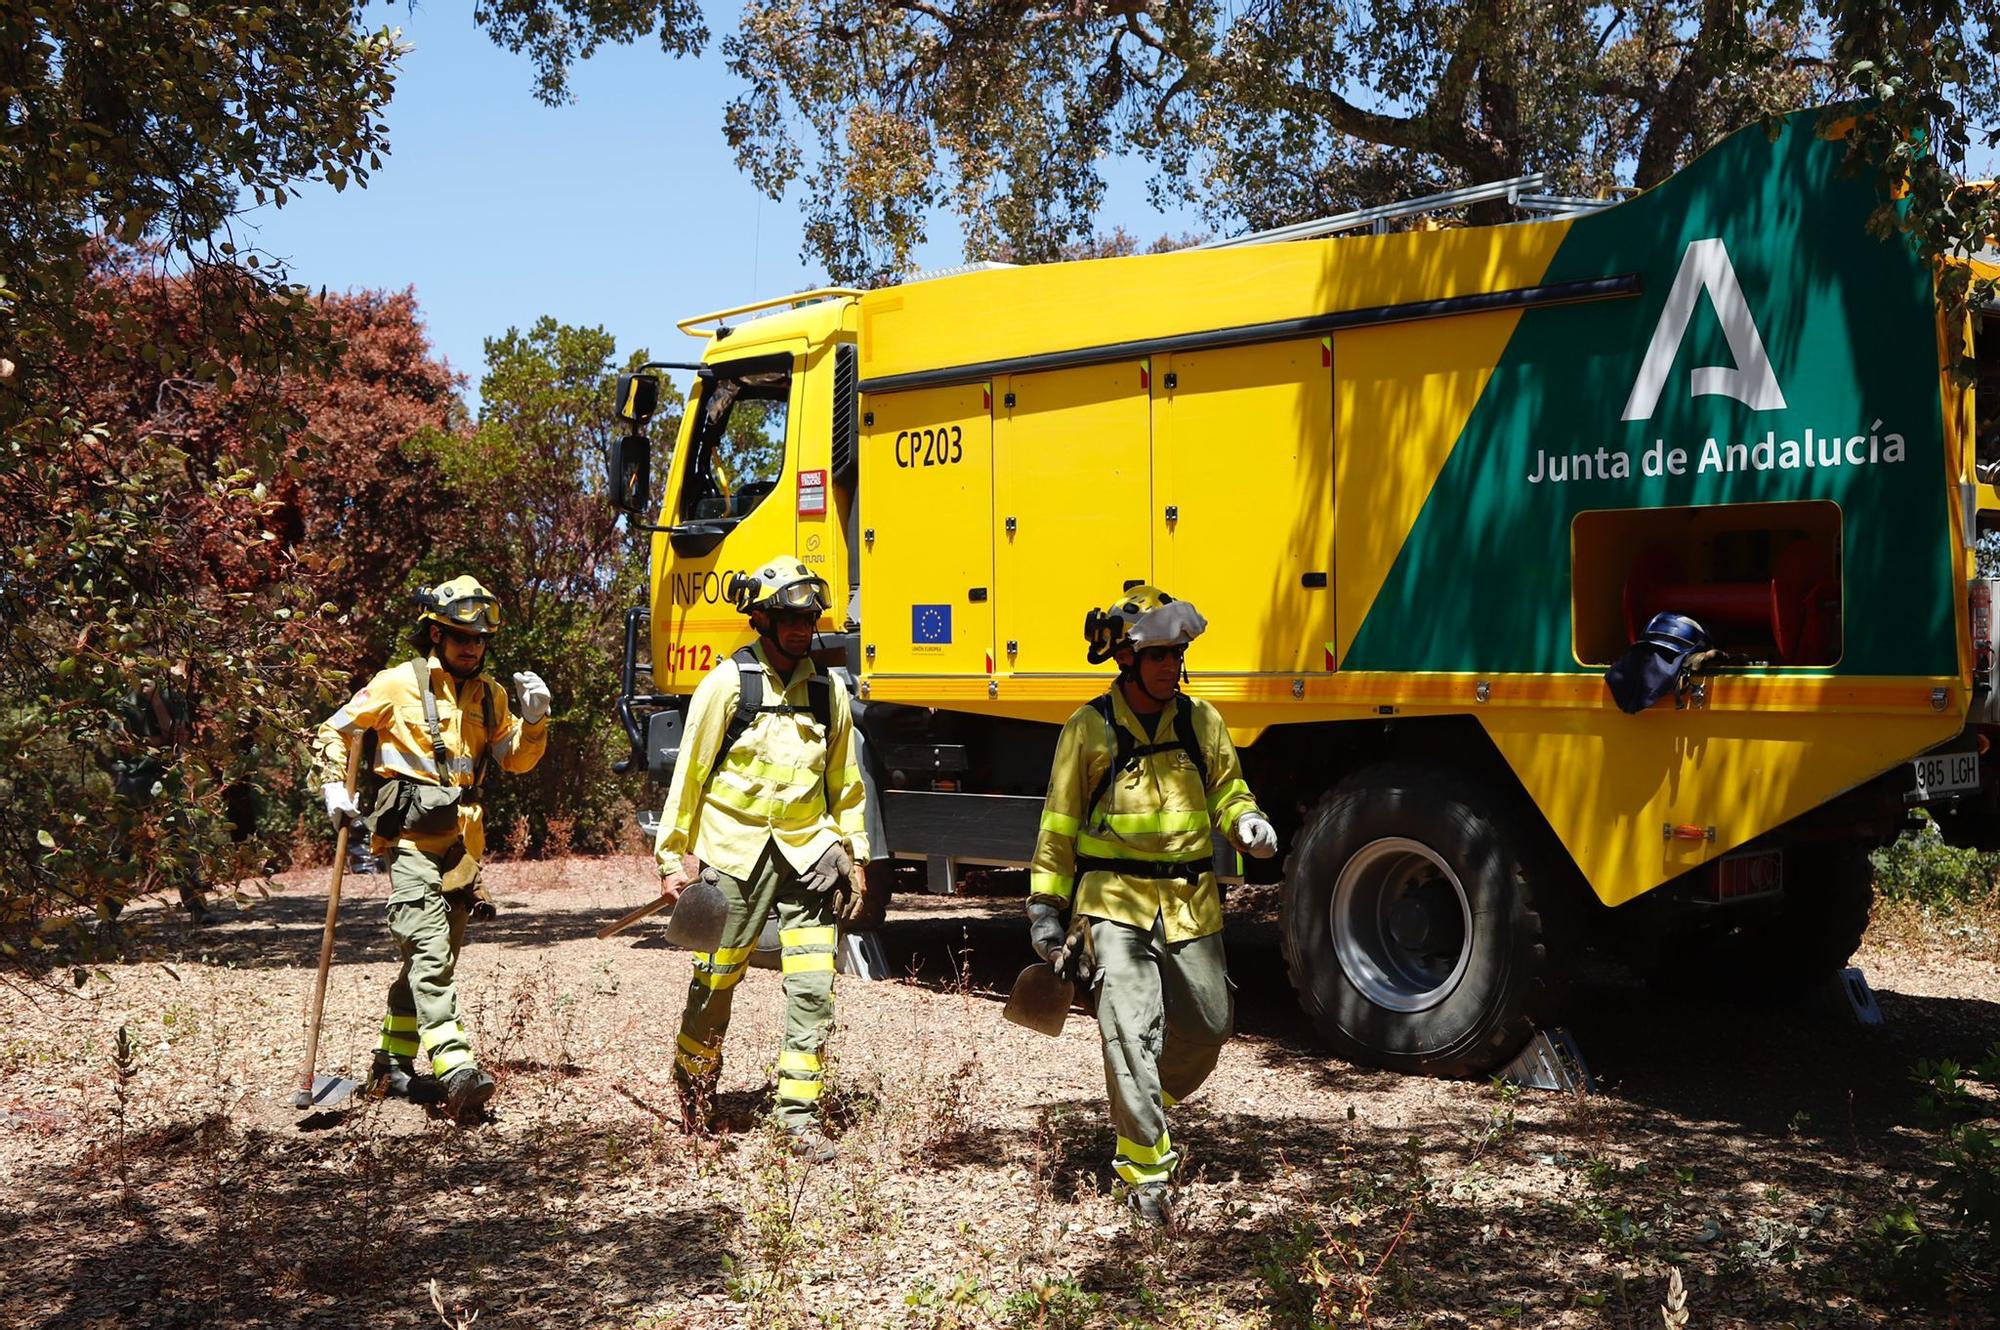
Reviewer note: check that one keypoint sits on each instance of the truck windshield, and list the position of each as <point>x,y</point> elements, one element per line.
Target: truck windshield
<point>739,439</point>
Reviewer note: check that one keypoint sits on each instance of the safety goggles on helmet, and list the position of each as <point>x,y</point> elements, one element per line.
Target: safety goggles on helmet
<point>782,584</point>
<point>461,603</point>
<point>1142,616</point>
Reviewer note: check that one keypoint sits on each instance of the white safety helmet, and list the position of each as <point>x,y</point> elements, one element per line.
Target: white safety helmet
<point>1142,616</point>
<point>782,583</point>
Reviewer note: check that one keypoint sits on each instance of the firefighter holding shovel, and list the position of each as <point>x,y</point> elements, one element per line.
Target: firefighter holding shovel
<point>441,728</point>
<point>767,797</point>
<point>1143,777</point>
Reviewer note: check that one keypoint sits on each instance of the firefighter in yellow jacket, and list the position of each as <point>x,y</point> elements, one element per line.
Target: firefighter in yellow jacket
<point>767,795</point>
<point>1143,776</point>
<point>442,727</point>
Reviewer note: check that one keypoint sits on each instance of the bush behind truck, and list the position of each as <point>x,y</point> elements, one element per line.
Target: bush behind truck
<point>1427,487</point>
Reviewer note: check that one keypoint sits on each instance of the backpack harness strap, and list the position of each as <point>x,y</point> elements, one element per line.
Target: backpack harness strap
<point>750,702</point>
<point>476,791</point>
<point>1128,752</point>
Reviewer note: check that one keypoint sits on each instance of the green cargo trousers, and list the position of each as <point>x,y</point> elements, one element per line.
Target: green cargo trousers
<point>429,928</point>
<point>1165,1011</point>
<point>806,931</point>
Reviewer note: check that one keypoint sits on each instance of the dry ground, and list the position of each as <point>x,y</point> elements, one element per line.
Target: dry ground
<point>1749,1149</point>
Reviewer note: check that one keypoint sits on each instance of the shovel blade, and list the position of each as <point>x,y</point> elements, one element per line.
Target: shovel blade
<point>328,1092</point>
<point>1040,1001</point>
<point>699,916</point>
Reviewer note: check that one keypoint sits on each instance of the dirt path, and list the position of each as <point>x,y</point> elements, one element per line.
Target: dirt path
<point>1752,1150</point>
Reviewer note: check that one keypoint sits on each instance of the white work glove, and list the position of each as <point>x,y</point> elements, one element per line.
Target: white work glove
<point>339,802</point>
<point>534,696</point>
<point>1256,836</point>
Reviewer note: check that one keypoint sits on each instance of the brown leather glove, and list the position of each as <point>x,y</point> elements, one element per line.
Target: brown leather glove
<point>865,905</point>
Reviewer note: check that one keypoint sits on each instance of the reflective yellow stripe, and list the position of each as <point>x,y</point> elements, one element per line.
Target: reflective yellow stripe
<point>1192,819</point>
<point>1167,1100</point>
<point>445,1063</point>
<point>401,1045</point>
<point>848,776</point>
<point>1138,1174</point>
<point>744,763</point>
<point>1062,824</point>
<point>1233,791</point>
<point>723,956</point>
<point>1112,849</point>
<point>695,1068</point>
<point>444,1034</point>
<point>798,1090</point>
<point>1146,1154</point>
<point>694,1048</point>
<point>800,811</point>
<point>399,1024</point>
<point>792,1059</point>
<point>807,937</point>
<point>810,962</point>
<point>719,981</point>
<point>399,761</point>
<point>1051,884</point>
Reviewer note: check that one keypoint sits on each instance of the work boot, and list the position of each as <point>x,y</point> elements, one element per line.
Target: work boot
<point>811,1144</point>
<point>391,1075</point>
<point>466,1092</point>
<point>1152,1202</point>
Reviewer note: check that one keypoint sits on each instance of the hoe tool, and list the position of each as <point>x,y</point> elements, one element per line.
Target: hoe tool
<point>698,917</point>
<point>315,1092</point>
<point>1041,998</point>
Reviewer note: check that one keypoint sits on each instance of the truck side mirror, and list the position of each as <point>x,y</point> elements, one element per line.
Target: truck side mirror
<point>638,397</point>
<point>630,463</point>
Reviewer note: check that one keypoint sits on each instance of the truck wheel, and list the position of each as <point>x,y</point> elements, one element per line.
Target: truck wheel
<point>1419,920</point>
<point>1806,937</point>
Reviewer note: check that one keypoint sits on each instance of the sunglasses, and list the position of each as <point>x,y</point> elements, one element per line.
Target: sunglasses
<point>457,638</point>
<point>1155,655</point>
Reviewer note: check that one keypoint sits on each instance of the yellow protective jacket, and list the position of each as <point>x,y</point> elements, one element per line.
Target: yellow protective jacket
<point>1156,811</point>
<point>393,707</point>
<point>787,779</point>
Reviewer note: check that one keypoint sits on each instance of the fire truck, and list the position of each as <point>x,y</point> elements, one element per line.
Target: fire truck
<point>1428,486</point>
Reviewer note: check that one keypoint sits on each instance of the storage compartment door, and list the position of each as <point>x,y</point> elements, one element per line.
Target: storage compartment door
<point>1073,473</point>
<point>926,515</point>
<point>1243,501</point>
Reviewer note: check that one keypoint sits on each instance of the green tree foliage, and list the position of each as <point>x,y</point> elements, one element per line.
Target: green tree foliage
<point>1272,111</point>
<point>534,524</point>
<point>139,566</point>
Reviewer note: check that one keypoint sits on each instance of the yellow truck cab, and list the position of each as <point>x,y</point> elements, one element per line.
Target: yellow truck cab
<point>1429,488</point>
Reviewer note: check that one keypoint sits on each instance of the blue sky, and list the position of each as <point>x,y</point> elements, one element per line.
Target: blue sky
<point>624,209</point>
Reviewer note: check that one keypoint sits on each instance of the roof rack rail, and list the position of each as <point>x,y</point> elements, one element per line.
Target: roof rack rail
<point>692,327</point>
<point>1377,218</point>
<point>1562,205</point>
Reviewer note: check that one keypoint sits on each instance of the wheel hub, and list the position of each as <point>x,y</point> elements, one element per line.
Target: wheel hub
<point>1402,924</point>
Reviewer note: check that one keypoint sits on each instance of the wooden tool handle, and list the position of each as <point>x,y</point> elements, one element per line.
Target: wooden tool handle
<point>332,911</point>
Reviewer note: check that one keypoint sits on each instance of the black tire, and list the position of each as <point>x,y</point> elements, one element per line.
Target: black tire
<point>1473,998</point>
<point>1779,951</point>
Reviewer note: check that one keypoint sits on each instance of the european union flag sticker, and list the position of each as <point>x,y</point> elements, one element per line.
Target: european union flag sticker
<point>930,625</point>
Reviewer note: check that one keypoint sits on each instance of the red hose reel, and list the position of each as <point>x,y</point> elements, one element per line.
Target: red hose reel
<point>1795,616</point>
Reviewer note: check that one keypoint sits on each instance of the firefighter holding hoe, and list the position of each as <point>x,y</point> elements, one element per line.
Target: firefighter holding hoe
<point>1143,775</point>
<point>767,803</point>
<point>441,728</point>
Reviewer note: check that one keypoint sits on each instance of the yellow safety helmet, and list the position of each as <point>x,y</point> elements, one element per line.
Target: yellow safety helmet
<point>782,583</point>
<point>1142,616</point>
<point>461,603</point>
